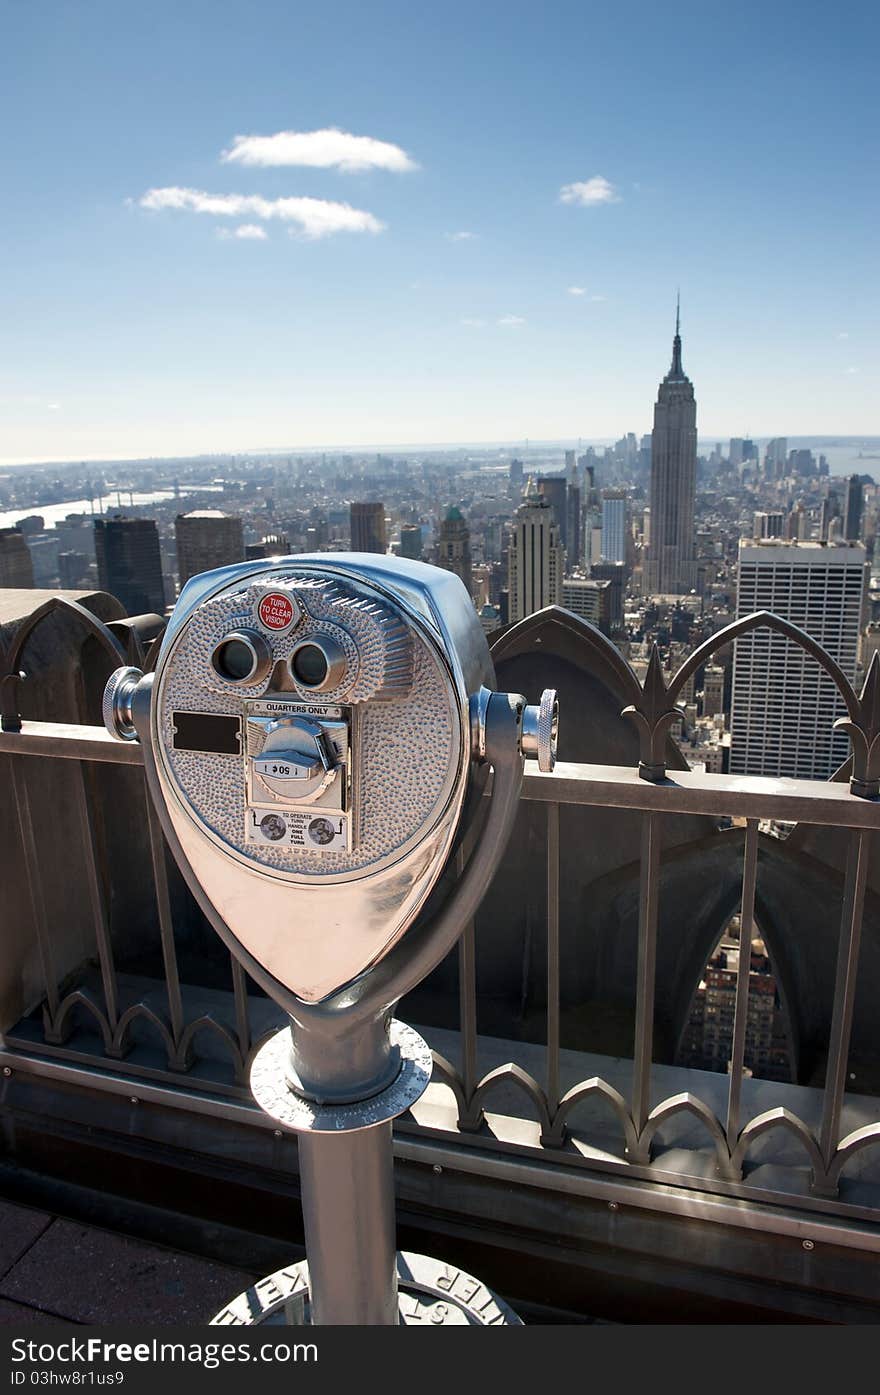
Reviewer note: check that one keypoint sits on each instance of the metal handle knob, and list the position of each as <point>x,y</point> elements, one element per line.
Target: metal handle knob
<point>540,727</point>
<point>296,762</point>
<point>116,703</point>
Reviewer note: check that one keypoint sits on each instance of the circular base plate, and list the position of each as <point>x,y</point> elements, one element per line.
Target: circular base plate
<point>430,1293</point>
<point>273,1094</point>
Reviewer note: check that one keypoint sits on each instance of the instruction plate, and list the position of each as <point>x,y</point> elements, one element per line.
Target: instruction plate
<point>313,831</point>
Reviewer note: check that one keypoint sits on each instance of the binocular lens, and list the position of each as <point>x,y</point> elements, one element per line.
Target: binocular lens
<point>309,665</point>
<point>234,660</point>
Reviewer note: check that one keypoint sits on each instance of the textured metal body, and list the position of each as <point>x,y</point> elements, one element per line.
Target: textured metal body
<point>341,701</point>
<point>316,918</point>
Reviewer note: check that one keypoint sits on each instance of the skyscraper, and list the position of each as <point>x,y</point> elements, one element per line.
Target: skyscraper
<point>367,527</point>
<point>671,566</point>
<point>16,566</point>
<point>614,573</point>
<point>713,690</point>
<point>589,599</point>
<point>555,490</point>
<point>853,521</point>
<point>130,563</point>
<point>72,567</point>
<point>535,557</point>
<point>775,457</point>
<point>769,525</point>
<point>614,525</point>
<point>272,545</point>
<point>573,531</point>
<point>411,541</point>
<point>784,706</point>
<point>454,547</point>
<point>206,538</point>
<point>829,515</point>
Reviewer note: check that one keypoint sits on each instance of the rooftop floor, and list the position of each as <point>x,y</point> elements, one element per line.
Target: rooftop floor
<point>60,1272</point>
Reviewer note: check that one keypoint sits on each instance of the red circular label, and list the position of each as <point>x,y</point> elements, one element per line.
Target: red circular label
<point>276,611</point>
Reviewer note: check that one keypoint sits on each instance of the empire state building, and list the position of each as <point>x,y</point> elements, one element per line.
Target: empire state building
<point>671,567</point>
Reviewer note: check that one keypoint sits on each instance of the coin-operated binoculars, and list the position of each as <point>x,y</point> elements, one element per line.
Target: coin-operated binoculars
<point>317,735</point>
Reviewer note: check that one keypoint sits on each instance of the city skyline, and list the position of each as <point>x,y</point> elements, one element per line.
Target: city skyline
<point>494,268</point>
<point>848,449</point>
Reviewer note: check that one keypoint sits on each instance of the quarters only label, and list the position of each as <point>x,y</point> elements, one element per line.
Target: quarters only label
<point>311,832</point>
<point>268,708</point>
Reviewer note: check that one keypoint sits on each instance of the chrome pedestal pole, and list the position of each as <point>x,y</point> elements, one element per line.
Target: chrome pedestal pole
<point>348,1215</point>
<point>353,1276</point>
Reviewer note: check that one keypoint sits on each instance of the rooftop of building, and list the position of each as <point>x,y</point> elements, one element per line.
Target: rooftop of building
<point>814,547</point>
<point>204,513</point>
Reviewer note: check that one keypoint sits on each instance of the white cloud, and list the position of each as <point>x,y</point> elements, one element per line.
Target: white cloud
<point>247,232</point>
<point>597,298</point>
<point>852,370</point>
<point>313,218</point>
<point>54,406</point>
<point>511,321</point>
<point>577,290</point>
<point>843,334</point>
<point>460,236</point>
<point>588,192</point>
<point>474,324</point>
<point>319,150</point>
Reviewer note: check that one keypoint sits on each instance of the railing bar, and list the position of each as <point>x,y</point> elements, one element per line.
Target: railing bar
<point>693,792</point>
<point>67,741</point>
<point>844,990</point>
<point>605,786</point>
<point>649,876</point>
<point>553,955</point>
<point>98,900</point>
<point>35,886</point>
<point>166,924</point>
<point>467,998</point>
<point>741,1010</point>
<point>242,1016</point>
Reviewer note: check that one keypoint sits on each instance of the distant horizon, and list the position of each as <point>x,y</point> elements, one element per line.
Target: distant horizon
<point>707,440</point>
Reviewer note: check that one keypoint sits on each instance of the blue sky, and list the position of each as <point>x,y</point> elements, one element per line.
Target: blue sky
<point>728,149</point>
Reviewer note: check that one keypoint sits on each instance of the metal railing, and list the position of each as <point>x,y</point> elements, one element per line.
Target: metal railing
<point>238,1021</point>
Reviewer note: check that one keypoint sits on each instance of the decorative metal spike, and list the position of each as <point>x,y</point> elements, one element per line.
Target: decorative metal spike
<point>653,716</point>
<point>864,733</point>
